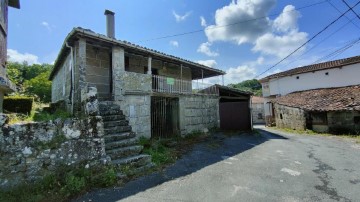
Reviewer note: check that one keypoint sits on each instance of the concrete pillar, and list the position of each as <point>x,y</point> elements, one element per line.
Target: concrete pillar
<point>118,69</point>
<point>149,65</point>
<point>82,69</point>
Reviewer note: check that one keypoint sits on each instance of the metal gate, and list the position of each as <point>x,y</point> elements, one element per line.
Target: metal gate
<point>164,117</point>
<point>235,115</point>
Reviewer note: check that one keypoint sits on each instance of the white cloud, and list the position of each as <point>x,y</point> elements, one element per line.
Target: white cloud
<point>280,46</point>
<point>287,20</point>
<point>277,37</point>
<point>46,25</point>
<point>240,11</point>
<point>205,48</point>
<point>209,63</point>
<point>174,43</point>
<point>203,21</point>
<point>240,73</point>
<point>180,18</point>
<point>15,56</point>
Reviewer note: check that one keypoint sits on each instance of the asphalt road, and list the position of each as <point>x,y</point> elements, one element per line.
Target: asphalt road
<point>272,166</point>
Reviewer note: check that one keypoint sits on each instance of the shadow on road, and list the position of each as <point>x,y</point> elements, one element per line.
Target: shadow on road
<point>218,147</point>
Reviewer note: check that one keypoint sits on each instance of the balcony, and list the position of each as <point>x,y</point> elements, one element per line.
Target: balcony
<point>161,84</point>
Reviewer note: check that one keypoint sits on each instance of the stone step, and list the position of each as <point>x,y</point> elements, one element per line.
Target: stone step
<point>106,103</point>
<point>119,136</point>
<point>107,118</point>
<point>124,152</point>
<point>136,160</point>
<point>106,112</point>
<point>117,129</point>
<point>121,143</point>
<point>116,123</point>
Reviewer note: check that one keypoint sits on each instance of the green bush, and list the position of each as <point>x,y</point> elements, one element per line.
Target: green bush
<point>18,104</point>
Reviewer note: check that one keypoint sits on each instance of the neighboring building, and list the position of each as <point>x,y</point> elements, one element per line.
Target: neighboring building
<point>154,90</point>
<point>337,73</point>
<point>257,110</point>
<point>5,84</point>
<point>334,110</point>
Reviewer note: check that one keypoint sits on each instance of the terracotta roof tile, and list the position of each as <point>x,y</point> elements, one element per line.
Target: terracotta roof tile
<point>325,99</point>
<point>315,67</point>
<point>256,99</point>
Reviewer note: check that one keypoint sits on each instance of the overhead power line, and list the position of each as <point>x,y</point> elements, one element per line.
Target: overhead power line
<point>351,9</point>
<point>320,42</point>
<point>338,51</point>
<point>317,34</point>
<point>345,16</point>
<point>228,25</point>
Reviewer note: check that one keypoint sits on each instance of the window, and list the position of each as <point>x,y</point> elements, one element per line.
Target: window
<point>260,116</point>
<point>319,118</point>
<point>281,116</point>
<point>297,77</point>
<point>327,73</point>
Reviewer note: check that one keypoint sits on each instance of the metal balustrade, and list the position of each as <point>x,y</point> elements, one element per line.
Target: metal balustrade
<point>163,84</point>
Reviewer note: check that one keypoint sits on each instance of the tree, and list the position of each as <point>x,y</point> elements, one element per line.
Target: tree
<point>31,79</point>
<point>253,86</point>
<point>39,86</point>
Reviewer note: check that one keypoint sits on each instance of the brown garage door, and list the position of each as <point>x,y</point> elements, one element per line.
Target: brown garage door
<point>235,116</point>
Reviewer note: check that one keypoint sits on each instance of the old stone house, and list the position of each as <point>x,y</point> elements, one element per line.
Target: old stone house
<point>5,84</point>
<point>155,91</point>
<point>331,74</point>
<point>334,110</point>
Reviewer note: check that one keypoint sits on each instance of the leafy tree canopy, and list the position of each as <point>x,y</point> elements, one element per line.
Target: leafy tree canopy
<point>253,86</point>
<point>31,79</point>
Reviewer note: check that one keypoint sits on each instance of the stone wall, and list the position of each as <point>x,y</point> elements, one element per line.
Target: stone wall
<point>198,113</point>
<point>289,117</point>
<point>137,110</point>
<point>344,122</point>
<point>258,113</point>
<point>30,151</point>
<point>61,83</point>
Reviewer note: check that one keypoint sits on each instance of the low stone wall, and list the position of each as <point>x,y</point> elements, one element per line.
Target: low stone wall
<point>198,113</point>
<point>289,117</point>
<point>29,151</point>
<point>258,113</point>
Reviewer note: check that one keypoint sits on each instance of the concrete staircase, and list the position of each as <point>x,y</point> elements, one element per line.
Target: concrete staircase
<point>120,142</point>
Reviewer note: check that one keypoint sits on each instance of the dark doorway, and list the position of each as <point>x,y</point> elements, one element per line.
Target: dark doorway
<point>164,117</point>
<point>234,115</point>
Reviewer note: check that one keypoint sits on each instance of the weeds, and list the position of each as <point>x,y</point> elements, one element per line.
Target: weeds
<point>67,182</point>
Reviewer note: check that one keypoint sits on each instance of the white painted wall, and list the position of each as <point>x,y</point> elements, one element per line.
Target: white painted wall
<point>337,77</point>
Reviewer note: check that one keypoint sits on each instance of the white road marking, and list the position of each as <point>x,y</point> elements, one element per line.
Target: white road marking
<point>291,172</point>
<point>228,162</point>
<point>297,162</point>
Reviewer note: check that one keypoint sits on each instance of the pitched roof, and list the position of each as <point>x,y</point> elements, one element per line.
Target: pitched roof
<point>325,99</point>
<point>199,69</point>
<point>256,100</point>
<point>314,67</point>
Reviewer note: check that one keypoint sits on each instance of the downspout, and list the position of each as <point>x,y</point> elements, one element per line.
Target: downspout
<point>72,77</point>
<point>251,112</point>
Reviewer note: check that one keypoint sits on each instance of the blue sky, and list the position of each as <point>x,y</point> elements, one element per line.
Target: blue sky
<point>243,50</point>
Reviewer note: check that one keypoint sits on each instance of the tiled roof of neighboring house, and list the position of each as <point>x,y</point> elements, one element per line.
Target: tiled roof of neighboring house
<point>87,33</point>
<point>314,67</point>
<point>325,99</point>
<point>257,100</point>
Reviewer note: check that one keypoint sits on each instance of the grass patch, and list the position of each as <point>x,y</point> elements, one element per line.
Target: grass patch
<point>67,182</point>
<point>37,114</point>
<point>356,138</point>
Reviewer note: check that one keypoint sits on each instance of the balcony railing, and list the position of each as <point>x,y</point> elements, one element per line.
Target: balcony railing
<point>163,84</point>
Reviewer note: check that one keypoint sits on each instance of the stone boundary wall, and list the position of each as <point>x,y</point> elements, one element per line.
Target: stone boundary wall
<point>198,113</point>
<point>290,117</point>
<point>29,151</point>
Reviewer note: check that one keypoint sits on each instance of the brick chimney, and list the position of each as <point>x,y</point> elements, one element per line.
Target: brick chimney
<point>110,24</point>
